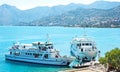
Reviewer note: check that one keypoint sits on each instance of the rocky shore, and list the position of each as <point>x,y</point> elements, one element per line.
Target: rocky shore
<point>92,68</point>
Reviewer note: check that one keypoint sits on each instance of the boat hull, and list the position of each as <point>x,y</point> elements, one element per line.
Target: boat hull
<point>38,60</point>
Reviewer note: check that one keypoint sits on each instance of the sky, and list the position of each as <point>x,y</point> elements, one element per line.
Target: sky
<point>27,4</point>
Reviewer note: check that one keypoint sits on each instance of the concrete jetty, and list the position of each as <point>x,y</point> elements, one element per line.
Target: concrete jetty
<point>92,68</point>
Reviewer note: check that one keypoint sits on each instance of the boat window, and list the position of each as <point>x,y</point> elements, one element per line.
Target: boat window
<point>44,49</point>
<point>40,54</point>
<point>93,48</point>
<point>90,44</point>
<point>46,56</point>
<point>87,44</point>
<point>85,58</point>
<point>83,44</point>
<point>81,50</point>
<point>48,44</point>
<point>56,56</point>
<point>39,47</point>
<point>10,52</point>
<point>30,53</point>
<point>51,47</point>
<point>24,46</point>
<point>33,53</point>
<point>78,44</point>
<point>38,43</point>
<point>93,58</point>
<point>17,53</point>
<point>36,55</point>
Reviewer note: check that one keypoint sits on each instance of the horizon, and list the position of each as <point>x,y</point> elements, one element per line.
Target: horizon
<point>27,4</point>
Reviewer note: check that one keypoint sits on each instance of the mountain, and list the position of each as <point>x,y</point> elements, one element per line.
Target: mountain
<point>39,12</point>
<point>10,15</point>
<point>82,17</point>
<point>103,5</point>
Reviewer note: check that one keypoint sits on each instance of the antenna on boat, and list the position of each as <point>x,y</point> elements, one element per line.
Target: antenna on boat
<point>84,34</point>
<point>48,38</point>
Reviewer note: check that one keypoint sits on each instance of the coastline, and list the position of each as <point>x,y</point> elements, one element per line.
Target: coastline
<point>52,26</point>
<point>92,68</point>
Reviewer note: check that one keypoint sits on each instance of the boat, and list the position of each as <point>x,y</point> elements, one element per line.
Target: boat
<point>37,52</point>
<point>84,50</point>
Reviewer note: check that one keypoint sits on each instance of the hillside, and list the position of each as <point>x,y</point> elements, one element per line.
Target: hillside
<point>10,15</point>
<point>83,17</point>
<point>103,5</point>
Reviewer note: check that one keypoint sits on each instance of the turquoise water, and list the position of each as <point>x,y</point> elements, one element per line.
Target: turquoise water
<point>106,39</point>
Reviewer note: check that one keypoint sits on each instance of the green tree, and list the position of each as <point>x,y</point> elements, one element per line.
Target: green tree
<point>112,58</point>
<point>102,60</point>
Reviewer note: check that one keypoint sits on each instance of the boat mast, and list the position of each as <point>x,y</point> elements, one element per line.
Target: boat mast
<point>84,34</point>
<point>48,38</point>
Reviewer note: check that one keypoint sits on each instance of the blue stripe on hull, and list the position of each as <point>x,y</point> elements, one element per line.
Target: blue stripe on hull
<point>46,62</point>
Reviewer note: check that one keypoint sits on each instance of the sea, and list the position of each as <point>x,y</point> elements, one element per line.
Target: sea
<point>106,39</point>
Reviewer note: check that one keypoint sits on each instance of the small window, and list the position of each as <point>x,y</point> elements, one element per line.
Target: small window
<point>49,47</point>
<point>39,47</point>
<point>33,53</point>
<point>87,44</point>
<point>80,44</point>
<point>24,46</point>
<point>46,56</point>
<point>30,53</point>
<point>85,58</point>
<point>10,52</point>
<point>40,54</point>
<point>36,55</point>
<point>83,44</point>
<point>81,50</point>
<point>90,44</point>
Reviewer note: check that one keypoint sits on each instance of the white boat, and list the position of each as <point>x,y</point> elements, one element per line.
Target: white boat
<point>84,49</point>
<point>37,52</point>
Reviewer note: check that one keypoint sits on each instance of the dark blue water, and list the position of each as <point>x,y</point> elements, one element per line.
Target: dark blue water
<point>106,39</point>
